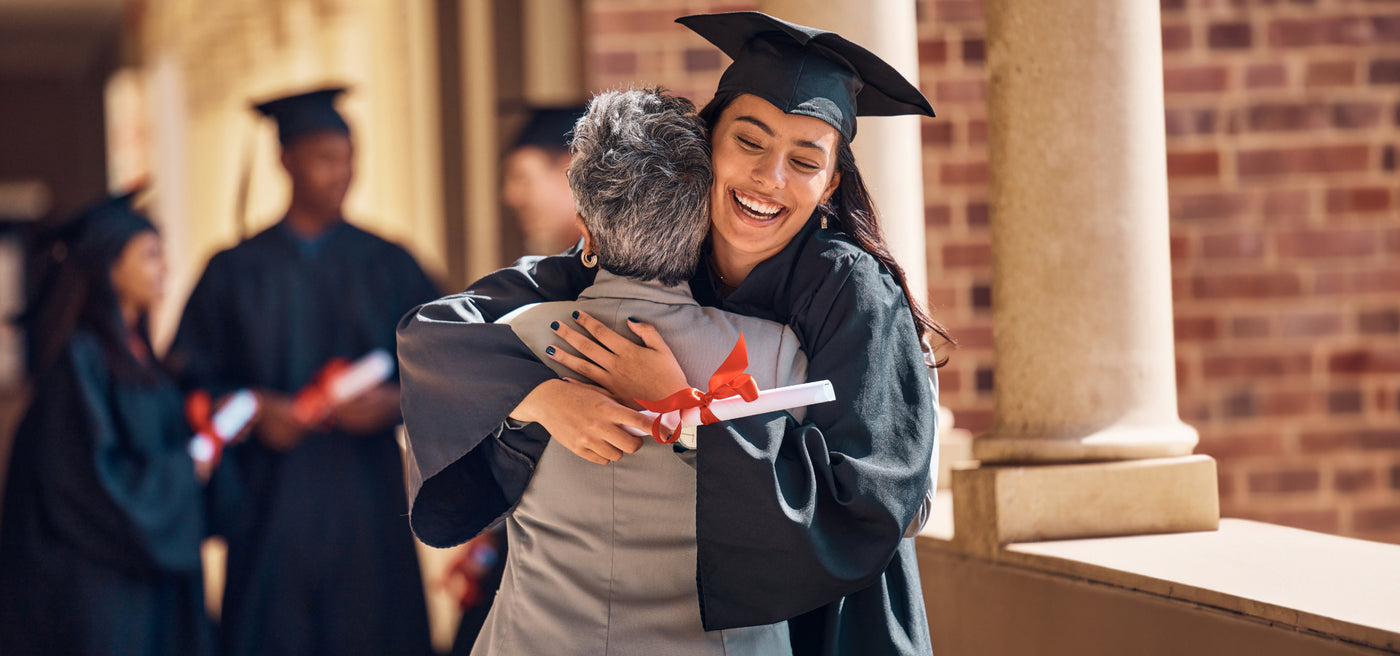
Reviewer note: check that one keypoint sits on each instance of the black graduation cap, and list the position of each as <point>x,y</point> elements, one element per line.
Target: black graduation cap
<point>807,71</point>
<point>549,128</point>
<point>305,113</point>
<point>102,229</point>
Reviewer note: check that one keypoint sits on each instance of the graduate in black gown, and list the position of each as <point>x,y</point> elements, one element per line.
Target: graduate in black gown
<point>103,507</point>
<point>320,556</point>
<point>799,522</point>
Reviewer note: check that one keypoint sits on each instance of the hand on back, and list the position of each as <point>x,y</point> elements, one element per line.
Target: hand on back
<point>628,371</point>
<point>584,419</point>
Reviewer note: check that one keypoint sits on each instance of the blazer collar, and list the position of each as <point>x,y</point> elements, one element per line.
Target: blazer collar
<point>609,285</point>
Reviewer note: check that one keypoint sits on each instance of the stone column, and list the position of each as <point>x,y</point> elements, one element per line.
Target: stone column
<point>553,52</point>
<point>888,149</point>
<point>480,140</point>
<point>1082,312</point>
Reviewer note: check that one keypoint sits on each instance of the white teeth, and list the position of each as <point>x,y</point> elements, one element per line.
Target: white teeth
<point>758,206</point>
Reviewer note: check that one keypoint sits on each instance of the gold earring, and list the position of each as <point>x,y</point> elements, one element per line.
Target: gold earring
<point>589,259</point>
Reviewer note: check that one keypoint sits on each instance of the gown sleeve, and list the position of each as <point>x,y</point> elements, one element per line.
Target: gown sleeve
<point>131,501</point>
<point>460,376</point>
<point>794,516</point>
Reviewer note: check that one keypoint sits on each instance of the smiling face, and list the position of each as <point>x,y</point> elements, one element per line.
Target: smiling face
<point>772,169</point>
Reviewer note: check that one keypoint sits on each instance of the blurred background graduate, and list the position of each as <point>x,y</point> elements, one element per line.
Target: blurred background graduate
<point>103,507</point>
<point>533,182</point>
<point>320,557</point>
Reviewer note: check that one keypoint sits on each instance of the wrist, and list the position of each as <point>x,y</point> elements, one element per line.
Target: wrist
<point>528,409</point>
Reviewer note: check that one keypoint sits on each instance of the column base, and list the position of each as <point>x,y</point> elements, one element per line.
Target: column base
<point>999,505</point>
<point>1114,443</point>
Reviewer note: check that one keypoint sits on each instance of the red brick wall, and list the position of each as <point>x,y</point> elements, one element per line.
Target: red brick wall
<point>1281,135</point>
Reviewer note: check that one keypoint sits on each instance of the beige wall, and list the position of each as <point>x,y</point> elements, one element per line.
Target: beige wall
<point>205,62</point>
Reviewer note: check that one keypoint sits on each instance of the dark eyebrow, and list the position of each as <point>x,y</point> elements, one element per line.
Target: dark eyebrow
<point>757,123</point>
<point>769,131</point>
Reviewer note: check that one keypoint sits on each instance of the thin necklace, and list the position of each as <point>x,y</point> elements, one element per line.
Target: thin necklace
<point>724,287</point>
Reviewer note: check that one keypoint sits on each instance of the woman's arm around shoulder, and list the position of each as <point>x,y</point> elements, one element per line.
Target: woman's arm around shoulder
<point>461,375</point>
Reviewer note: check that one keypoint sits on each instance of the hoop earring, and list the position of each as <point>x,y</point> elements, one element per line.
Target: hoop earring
<point>589,260</point>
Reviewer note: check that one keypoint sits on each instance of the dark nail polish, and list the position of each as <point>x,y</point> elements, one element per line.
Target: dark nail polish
<point>634,319</point>
<point>549,350</point>
<point>575,314</point>
<point>554,325</point>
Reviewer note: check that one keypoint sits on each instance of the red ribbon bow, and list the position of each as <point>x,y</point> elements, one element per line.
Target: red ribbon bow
<point>312,405</point>
<point>729,380</point>
<point>199,411</point>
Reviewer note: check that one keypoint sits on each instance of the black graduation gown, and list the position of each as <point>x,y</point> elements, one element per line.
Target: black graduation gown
<point>320,558</point>
<point>103,518</point>
<point>802,522</point>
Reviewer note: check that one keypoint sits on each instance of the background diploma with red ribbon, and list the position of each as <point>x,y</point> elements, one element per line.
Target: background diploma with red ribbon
<point>339,381</point>
<point>213,431</point>
<point>733,394</point>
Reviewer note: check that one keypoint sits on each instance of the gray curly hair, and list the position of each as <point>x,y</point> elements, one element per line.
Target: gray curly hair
<point>641,181</point>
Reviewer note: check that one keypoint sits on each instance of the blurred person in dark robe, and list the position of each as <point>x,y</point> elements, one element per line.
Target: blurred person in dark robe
<point>104,510</point>
<point>533,182</point>
<point>320,557</point>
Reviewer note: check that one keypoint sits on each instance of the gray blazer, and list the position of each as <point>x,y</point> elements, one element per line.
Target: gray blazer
<point>603,558</point>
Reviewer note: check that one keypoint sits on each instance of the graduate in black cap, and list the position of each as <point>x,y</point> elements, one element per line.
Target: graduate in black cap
<point>103,511</point>
<point>320,558</point>
<point>533,185</point>
<point>803,522</point>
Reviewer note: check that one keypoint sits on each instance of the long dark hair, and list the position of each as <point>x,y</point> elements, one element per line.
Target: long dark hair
<point>851,211</point>
<point>72,269</point>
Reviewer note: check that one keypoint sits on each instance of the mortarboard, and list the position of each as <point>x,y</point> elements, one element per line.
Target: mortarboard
<point>305,113</point>
<point>549,128</point>
<point>806,71</point>
<point>102,229</point>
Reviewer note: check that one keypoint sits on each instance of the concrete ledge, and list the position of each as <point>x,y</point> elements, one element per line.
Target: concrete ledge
<point>999,505</point>
<point>1322,584</point>
<point>1246,588</point>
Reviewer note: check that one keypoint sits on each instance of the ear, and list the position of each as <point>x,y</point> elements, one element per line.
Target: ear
<point>831,186</point>
<point>588,245</point>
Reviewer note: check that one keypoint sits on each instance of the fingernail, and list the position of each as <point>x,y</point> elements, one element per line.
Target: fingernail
<point>575,314</point>
<point>634,319</point>
<point>549,350</point>
<point>554,325</point>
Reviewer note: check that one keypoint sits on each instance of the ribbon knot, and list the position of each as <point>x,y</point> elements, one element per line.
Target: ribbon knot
<point>312,405</point>
<point>727,381</point>
<point>199,411</point>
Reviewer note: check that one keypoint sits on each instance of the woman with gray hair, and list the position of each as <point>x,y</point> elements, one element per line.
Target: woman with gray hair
<point>602,560</point>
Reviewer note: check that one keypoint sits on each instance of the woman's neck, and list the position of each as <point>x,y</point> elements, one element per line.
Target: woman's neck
<point>131,321</point>
<point>731,269</point>
<point>131,315</point>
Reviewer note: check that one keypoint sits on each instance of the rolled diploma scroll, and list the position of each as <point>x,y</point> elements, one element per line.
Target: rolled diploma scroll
<point>228,422</point>
<point>363,375</point>
<point>734,407</point>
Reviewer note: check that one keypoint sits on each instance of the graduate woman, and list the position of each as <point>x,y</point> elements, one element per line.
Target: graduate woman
<point>798,521</point>
<point>103,505</point>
